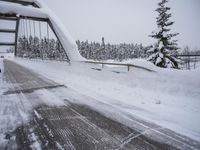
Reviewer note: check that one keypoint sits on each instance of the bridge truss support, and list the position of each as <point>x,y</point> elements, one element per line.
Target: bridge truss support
<point>36,12</point>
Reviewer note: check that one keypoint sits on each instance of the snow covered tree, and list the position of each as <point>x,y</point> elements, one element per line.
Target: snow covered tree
<point>103,43</point>
<point>162,51</point>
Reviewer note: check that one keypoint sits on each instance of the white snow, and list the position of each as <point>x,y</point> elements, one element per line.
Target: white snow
<point>161,55</point>
<point>158,60</point>
<point>35,145</point>
<point>10,8</point>
<point>37,115</point>
<point>170,98</point>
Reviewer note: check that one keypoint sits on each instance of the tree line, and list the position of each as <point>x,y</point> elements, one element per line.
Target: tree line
<point>52,49</point>
<point>34,47</point>
<point>105,51</point>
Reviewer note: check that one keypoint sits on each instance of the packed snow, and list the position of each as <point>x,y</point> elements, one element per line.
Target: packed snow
<point>167,97</point>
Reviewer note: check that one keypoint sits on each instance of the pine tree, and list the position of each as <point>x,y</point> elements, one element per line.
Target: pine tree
<point>161,54</point>
<point>102,43</point>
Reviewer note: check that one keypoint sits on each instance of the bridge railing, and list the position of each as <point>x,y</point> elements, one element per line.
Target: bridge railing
<point>189,61</point>
<point>129,66</point>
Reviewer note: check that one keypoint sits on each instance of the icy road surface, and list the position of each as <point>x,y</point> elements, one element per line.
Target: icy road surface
<point>37,113</point>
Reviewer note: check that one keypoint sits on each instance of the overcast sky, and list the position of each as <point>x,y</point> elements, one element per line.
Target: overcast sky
<point>129,21</point>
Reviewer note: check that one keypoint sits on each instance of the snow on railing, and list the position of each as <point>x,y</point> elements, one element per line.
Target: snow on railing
<point>119,64</point>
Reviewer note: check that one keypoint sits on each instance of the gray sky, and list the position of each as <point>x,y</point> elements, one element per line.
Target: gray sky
<point>129,21</point>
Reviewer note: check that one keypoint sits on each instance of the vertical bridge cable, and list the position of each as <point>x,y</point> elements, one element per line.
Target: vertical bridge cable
<point>26,22</point>
<point>30,27</point>
<point>26,34</point>
<point>23,28</point>
<point>34,38</point>
<point>30,39</point>
<point>41,51</point>
<point>16,34</point>
<point>34,28</point>
<point>24,38</point>
<point>21,33</point>
<point>48,50</point>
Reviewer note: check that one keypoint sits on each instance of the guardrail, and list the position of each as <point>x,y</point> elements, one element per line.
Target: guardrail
<point>189,61</point>
<point>187,55</point>
<point>119,64</point>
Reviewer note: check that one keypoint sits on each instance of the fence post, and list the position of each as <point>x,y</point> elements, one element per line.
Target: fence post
<point>188,62</point>
<point>128,67</point>
<point>102,65</point>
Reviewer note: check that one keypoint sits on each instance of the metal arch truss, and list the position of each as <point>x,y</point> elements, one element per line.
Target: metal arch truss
<point>15,17</point>
<point>22,2</point>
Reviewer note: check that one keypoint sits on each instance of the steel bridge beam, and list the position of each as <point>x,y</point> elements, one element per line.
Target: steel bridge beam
<point>7,31</point>
<point>6,44</point>
<point>25,3</point>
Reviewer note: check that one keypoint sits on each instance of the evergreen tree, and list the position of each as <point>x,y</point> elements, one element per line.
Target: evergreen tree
<point>161,54</point>
<point>37,47</point>
<point>58,50</point>
<point>52,53</point>
<point>102,43</point>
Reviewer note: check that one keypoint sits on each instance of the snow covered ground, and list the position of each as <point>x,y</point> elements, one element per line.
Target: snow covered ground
<point>170,98</point>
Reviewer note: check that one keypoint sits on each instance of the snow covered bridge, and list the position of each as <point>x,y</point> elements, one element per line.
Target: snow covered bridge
<point>35,26</point>
<point>38,33</point>
<point>52,105</point>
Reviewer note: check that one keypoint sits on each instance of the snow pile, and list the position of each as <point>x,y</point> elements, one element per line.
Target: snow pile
<point>167,97</point>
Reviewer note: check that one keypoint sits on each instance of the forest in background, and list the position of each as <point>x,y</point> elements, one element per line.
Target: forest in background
<point>52,49</point>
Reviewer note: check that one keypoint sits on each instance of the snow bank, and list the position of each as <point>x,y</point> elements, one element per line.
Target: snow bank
<point>168,97</point>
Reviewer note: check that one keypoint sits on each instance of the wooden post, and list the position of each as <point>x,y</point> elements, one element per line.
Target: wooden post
<point>16,34</point>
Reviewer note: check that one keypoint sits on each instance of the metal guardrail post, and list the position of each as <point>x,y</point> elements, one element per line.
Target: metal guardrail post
<point>128,67</point>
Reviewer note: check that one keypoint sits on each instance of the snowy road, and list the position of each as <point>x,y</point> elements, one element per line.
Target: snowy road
<point>50,120</point>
